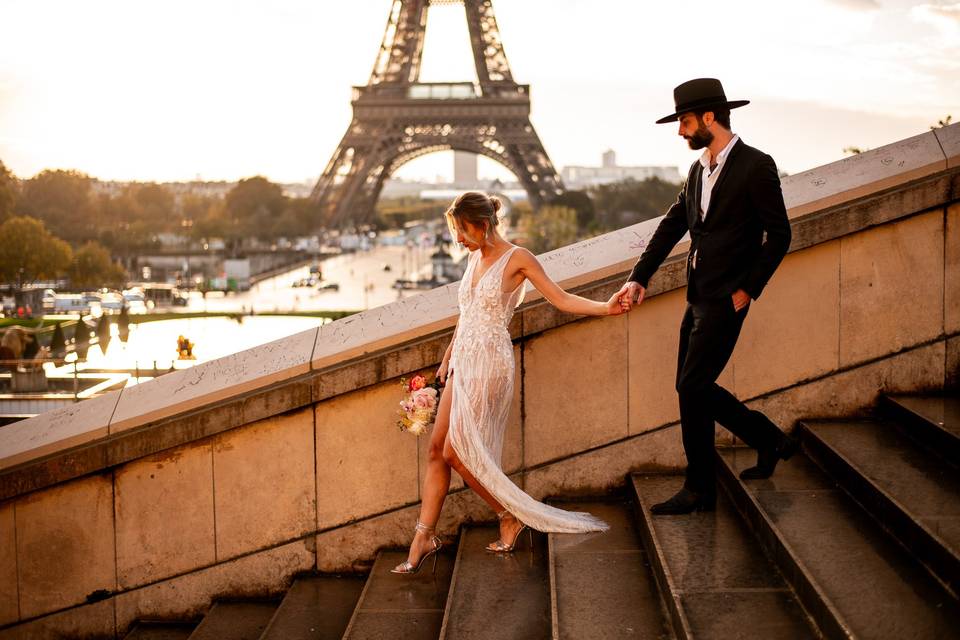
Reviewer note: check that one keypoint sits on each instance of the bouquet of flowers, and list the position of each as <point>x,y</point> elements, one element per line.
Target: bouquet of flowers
<point>419,406</point>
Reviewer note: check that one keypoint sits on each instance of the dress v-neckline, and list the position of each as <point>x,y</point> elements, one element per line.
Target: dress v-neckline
<point>473,286</point>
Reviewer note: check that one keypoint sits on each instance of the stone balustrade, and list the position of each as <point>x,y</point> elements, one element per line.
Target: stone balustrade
<point>227,478</point>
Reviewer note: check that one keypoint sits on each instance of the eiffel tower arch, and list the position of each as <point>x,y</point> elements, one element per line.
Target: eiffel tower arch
<point>396,118</point>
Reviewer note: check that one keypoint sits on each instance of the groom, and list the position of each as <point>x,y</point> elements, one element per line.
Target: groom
<point>730,201</point>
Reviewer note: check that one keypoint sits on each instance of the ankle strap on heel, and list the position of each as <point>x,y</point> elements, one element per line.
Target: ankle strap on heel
<point>424,528</point>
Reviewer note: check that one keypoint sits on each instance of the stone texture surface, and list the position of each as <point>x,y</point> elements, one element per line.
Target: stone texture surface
<point>264,483</point>
<point>791,332</point>
<point>56,430</point>
<point>604,587</point>
<point>315,608</point>
<point>654,330</point>
<point>215,380</point>
<point>478,593</point>
<point>375,329</point>
<point>264,574</point>
<point>235,620</point>
<point>861,174</point>
<point>951,378</point>
<point>949,139</point>
<point>884,306</point>
<point>65,544</point>
<point>601,470</point>
<point>576,382</point>
<point>354,547</point>
<point>951,271</point>
<point>396,606</point>
<point>852,392</point>
<point>365,464</point>
<point>88,621</point>
<point>165,517</point>
<point>835,540</point>
<point>9,590</point>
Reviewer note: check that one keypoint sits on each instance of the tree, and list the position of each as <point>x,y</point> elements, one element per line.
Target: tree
<point>93,268</point>
<point>549,228</point>
<point>8,193</point>
<point>620,204</point>
<point>251,207</point>
<point>580,202</point>
<point>29,252</point>
<point>63,201</point>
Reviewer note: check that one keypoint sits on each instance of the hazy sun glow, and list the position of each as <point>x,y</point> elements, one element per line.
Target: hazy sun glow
<point>223,89</point>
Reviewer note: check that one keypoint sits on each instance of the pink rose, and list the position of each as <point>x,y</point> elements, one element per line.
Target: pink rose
<point>417,382</point>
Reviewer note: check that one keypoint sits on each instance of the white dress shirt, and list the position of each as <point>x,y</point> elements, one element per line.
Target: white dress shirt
<point>710,178</point>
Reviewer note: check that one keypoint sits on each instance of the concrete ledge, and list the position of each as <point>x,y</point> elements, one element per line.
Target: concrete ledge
<point>949,139</point>
<point>863,174</point>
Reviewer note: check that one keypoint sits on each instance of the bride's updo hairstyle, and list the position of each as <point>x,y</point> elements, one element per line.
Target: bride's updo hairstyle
<point>478,209</point>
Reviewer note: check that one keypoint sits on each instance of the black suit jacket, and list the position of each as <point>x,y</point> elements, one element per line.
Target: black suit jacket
<point>745,203</point>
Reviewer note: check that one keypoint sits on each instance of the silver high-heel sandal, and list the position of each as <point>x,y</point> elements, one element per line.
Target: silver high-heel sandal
<point>502,547</point>
<point>408,567</point>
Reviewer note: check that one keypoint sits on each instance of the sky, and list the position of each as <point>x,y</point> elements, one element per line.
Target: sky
<point>226,89</point>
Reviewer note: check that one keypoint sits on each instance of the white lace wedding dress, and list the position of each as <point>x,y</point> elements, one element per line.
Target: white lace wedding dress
<point>482,384</point>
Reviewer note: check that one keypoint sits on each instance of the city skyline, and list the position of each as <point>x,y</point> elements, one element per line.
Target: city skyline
<point>229,90</point>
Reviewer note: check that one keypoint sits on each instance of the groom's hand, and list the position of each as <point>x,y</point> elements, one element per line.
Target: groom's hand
<point>740,299</point>
<point>631,293</point>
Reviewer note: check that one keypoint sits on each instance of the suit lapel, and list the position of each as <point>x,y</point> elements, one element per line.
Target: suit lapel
<point>728,168</point>
<point>697,192</point>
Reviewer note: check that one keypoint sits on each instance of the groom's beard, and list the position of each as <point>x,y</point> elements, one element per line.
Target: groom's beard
<point>701,138</point>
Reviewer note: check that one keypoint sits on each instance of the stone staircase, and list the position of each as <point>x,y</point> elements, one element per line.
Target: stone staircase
<point>858,536</point>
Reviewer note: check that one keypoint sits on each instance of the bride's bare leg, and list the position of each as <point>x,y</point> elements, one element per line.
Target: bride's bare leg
<point>436,481</point>
<point>509,525</point>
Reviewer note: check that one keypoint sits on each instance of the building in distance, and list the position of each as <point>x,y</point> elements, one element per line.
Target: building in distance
<point>609,171</point>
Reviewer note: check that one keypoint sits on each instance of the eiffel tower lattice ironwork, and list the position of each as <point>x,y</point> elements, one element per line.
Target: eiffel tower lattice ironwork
<point>396,118</point>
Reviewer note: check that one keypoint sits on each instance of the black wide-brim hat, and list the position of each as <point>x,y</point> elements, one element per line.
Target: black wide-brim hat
<point>698,95</point>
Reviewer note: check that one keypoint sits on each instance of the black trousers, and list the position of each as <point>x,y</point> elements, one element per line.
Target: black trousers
<point>708,334</point>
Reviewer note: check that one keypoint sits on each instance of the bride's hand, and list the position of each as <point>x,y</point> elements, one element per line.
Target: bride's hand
<point>443,371</point>
<point>616,306</point>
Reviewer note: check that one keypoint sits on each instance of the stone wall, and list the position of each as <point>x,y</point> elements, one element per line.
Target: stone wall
<point>228,478</point>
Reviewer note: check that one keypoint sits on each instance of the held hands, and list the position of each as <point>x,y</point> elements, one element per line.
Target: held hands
<point>615,306</point>
<point>630,293</point>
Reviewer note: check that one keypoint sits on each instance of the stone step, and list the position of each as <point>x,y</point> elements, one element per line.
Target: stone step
<point>315,608</point>
<point>934,421</point>
<point>235,620</point>
<point>912,493</point>
<point>850,576</point>
<point>716,580</point>
<point>401,606</point>
<point>498,596</point>
<point>158,630</point>
<point>601,583</point>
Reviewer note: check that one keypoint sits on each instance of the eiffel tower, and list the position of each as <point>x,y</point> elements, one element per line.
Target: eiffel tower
<point>396,118</point>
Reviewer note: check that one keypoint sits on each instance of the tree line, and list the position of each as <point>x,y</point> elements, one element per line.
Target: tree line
<point>58,223</point>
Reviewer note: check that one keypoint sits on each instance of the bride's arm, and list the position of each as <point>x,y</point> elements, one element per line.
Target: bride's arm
<point>531,268</point>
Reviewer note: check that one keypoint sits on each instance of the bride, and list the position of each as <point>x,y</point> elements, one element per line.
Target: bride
<point>479,368</point>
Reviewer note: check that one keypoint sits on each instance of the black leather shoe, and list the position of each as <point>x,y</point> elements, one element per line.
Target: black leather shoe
<point>685,501</point>
<point>767,459</point>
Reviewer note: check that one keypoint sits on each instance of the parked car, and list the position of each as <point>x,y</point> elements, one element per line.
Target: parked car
<point>70,303</point>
